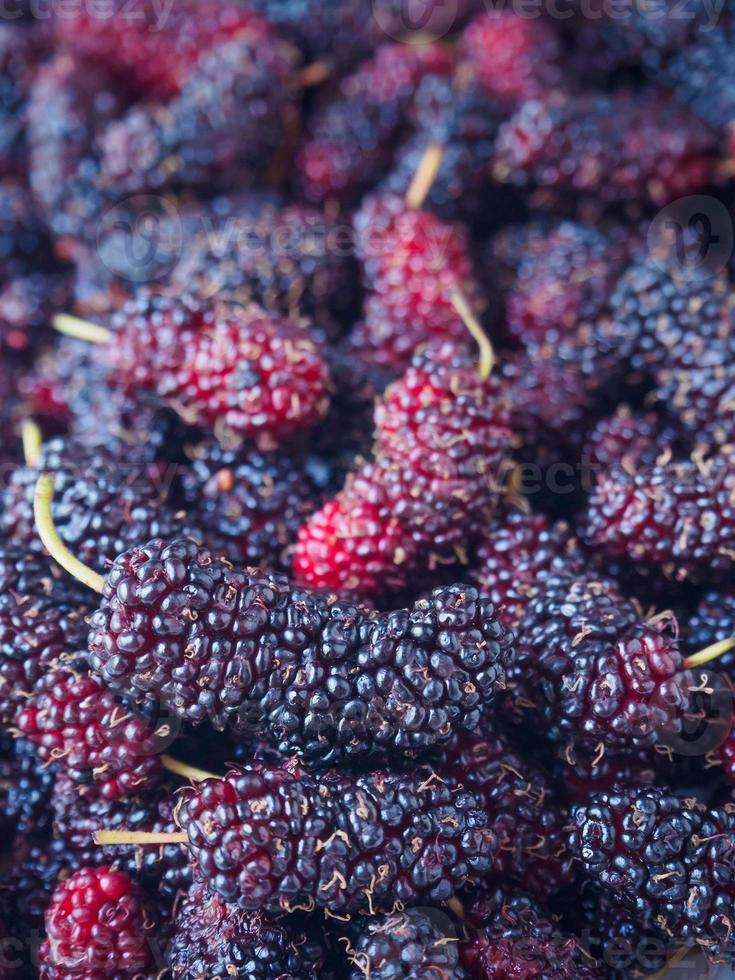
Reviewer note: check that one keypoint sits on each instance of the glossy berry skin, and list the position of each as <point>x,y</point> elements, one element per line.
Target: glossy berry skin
<point>442,434</point>
<point>97,925</point>
<point>281,258</point>
<point>406,944</point>
<point>217,939</point>
<point>104,501</point>
<point>351,136</point>
<point>618,148</point>
<point>279,838</point>
<point>75,722</point>
<point>517,551</point>
<point>354,544</point>
<point>514,58</point>
<point>712,621</point>
<point>677,517</point>
<point>666,859</point>
<point>512,936</point>
<point>624,438</point>
<point>412,262</point>
<point>594,675</point>
<point>562,282</point>
<point>42,618</point>
<point>523,806</point>
<point>214,132</point>
<point>249,504</point>
<point>680,321</point>
<point>253,374</point>
<point>325,679</point>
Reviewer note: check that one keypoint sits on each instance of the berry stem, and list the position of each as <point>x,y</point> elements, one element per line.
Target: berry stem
<point>185,770</point>
<point>425,175</point>
<point>48,534</point>
<point>710,653</point>
<point>487,354</point>
<point>74,326</point>
<point>30,435</point>
<point>139,837</point>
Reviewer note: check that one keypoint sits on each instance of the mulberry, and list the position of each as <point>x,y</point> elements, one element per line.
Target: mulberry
<point>321,678</point>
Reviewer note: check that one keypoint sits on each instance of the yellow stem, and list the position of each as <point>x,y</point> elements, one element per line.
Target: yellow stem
<point>710,653</point>
<point>74,326</point>
<point>487,354</point>
<point>185,770</point>
<point>32,440</point>
<point>50,536</point>
<point>139,837</point>
<point>425,175</point>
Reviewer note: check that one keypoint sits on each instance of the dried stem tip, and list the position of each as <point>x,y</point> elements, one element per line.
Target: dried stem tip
<point>73,326</point>
<point>32,440</point>
<point>185,770</point>
<point>139,837</point>
<point>425,175</point>
<point>487,354</point>
<point>50,536</point>
<point>710,653</point>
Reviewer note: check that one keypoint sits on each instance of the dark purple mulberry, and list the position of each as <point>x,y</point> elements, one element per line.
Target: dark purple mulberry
<point>279,838</point>
<point>591,672</point>
<point>42,620</point>
<point>619,148</point>
<point>249,504</point>
<point>674,516</point>
<point>103,502</point>
<point>668,860</point>
<point>407,944</point>
<point>215,939</point>
<point>516,552</point>
<point>321,678</point>
<point>223,128</point>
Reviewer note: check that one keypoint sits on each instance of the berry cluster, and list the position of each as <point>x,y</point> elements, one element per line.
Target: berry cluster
<point>367,491</point>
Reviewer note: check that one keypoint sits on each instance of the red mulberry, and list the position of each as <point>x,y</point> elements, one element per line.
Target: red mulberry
<point>442,434</point>
<point>76,723</point>
<point>97,925</point>
<point>252,373</point>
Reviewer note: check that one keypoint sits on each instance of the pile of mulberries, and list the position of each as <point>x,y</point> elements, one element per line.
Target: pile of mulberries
<point>367,491</point>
